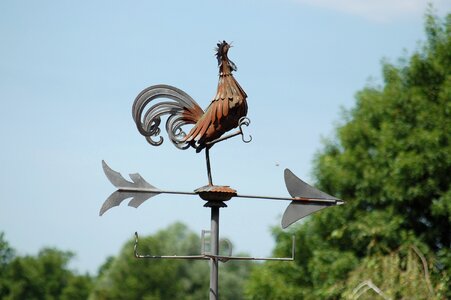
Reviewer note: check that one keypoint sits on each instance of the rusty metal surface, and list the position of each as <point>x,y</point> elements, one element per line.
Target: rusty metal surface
<point>223,114</point>
<point>227,107</point>
<point>244,121</point>
<point>215,193</point>
<point>226,111</point>
<point>216,189</point>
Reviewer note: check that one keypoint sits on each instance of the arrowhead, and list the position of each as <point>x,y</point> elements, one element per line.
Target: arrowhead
<point>116,198</point>
<point>121,183</point>
<point>138,189</point>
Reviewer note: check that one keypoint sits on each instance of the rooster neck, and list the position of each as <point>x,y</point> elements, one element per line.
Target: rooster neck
<point>225,68</point>
<point>226,71</point>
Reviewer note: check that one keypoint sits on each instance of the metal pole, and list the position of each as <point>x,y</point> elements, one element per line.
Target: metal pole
<point>207,158</point>
<point>214,251</point>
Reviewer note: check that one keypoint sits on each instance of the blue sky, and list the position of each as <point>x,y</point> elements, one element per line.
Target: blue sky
<point>70,70</point>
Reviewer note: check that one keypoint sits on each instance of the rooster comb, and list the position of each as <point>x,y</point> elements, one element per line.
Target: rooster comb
<point>220,49</point>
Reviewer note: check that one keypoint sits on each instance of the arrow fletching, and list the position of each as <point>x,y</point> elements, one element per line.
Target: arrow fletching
<point>299,189</point>
<point>138,189</point>
<point>303,194</point>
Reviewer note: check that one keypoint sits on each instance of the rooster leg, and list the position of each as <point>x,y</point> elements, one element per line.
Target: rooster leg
<point>223,138</point>
<point>207,158</point>
<point>244,121</point>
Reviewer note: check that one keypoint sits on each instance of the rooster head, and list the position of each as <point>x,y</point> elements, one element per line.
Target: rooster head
<point>221,54</point>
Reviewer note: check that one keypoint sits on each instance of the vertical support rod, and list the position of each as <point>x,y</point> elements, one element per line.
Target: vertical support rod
<point>207,158</point>
<point>214,251</point>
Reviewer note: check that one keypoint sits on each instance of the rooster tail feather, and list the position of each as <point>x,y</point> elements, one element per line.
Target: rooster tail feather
<point>181,110</point>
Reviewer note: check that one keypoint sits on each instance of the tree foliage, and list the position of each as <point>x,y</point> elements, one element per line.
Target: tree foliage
<point>45,276</point>
<point>6,255</point>
<point>125,277</point>
<point>402,274</point>
<point>391,162</point>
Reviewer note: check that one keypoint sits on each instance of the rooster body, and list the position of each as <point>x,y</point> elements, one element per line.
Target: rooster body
<point>223,114</point>
<point>225,110</point>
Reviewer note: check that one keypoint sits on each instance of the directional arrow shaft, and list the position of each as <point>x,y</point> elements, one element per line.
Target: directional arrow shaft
<point>300,199</point>
<point>144,190</point>
<point>305,199</point>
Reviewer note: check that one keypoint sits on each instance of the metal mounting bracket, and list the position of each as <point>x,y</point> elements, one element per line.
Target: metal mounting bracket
<point>206,255</point>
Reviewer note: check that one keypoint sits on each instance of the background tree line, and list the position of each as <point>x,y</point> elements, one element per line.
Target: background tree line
<point>47,275</point>
<point>390,159</point>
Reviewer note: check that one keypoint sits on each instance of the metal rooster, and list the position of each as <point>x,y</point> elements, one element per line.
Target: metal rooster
<point>226,111</point>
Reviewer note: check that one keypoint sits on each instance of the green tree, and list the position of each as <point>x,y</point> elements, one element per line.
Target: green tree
<point>6,252</point>
<point>6,255</point>
<point>402,274</point>
<point>391,162</point>
<point>233,276</point>
<point>125,277</point>
<point>45,276</point>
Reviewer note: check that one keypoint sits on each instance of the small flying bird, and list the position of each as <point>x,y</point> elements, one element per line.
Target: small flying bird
<point>227,110</point>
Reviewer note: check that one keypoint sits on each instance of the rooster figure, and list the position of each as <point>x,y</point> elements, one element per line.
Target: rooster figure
<point>226,111</point>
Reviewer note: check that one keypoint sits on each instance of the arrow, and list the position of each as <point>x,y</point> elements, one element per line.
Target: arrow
<point>139,190</point>
<point>305,199</point>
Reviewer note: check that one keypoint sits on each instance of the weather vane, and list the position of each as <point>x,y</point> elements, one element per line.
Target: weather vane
<point>226,111</point>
